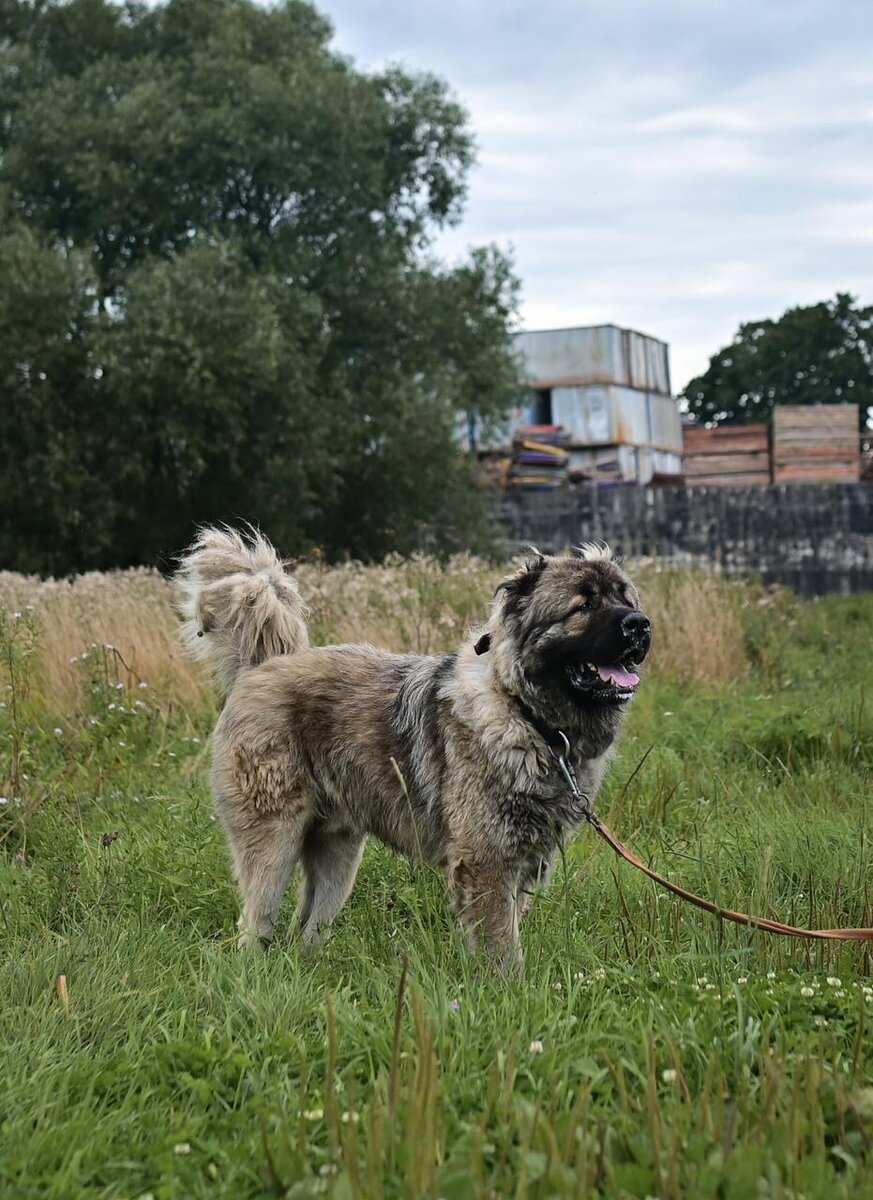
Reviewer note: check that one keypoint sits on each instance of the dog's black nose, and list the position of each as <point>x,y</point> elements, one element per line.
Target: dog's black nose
<point>636,626</point>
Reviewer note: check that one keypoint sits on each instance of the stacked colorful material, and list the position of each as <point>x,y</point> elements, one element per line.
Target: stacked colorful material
<point>539,458</point>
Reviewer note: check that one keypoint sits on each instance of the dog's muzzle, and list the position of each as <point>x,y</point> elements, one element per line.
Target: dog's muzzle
<point>616,641</point>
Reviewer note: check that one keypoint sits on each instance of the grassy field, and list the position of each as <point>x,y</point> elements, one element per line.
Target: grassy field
<point>647,1050</point>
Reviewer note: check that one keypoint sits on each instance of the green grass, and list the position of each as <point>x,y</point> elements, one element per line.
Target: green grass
<point>647,1050</point>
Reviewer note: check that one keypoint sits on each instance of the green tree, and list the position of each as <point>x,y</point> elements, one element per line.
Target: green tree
<point>819,354</point>
<point>262,333</point>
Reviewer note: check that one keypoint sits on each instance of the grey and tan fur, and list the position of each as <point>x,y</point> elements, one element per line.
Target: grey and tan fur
<point>434,755</point>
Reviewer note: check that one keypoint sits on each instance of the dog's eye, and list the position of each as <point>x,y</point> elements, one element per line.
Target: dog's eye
<point>585,605</point>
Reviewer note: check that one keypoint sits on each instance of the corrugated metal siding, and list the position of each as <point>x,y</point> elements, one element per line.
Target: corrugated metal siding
<point>599,354</point>
<point>665,424</point>
<point>585,414</point>
<point>618,416</point>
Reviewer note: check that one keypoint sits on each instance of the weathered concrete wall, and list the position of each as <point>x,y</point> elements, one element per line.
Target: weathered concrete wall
<point>817,538</point>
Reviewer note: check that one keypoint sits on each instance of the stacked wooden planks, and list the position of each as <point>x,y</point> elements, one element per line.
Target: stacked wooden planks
<point>816,443</point>
<point>728,456</point>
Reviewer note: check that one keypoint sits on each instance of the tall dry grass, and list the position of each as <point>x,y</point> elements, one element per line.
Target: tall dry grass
<point>124,625</point>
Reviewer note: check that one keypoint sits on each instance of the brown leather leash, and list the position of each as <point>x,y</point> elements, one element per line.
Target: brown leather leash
<point>726,914</point>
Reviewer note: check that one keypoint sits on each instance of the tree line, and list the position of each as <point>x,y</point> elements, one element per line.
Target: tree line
<point>218,299</point>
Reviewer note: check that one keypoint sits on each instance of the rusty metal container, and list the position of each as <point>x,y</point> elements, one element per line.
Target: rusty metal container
<point>618,416</point>
<point>592,355</point>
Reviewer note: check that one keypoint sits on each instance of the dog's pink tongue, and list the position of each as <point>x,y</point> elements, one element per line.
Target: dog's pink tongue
<point>619,676</point>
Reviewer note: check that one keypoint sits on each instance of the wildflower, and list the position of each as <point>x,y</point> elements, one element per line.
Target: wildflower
<point>182,1148</point>
<point>743,979</point>
<point>670,1075</point>
<point>771,974</point>
<point>350,1118</point>
<point>57,729</point>
<point>142,684</point>
<point>834,982</point>
<point>807,991</point>
<point>821,1022</point>
<point>196,741</point>
<point>600,973</point>
<point>579,976</point>
<point>313,1114</point>
<point>536,1047</point>
<point>558,986</point>
<point>702,980</point>
<point>74,659</point>
<point>118,686</point>
<point>4,799</point>
<point>455,1005</point>
<point>111,707</point>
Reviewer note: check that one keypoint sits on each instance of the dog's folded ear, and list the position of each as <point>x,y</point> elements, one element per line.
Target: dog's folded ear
<point>484,644</point>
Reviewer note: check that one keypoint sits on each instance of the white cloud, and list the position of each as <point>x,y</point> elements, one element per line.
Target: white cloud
<point>679,167</point>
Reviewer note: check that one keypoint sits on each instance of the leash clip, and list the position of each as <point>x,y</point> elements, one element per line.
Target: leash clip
<point>561,757</point>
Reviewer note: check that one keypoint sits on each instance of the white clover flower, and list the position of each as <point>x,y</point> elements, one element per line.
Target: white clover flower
<point>670,1075</point>
<point>832,981</point>
<point>579,976</point>
<point>807,991</point>
<point>702,980</point>
<point>821,1022</point>
<point>57,729</point>
<point>182,1148</point>
<point>743,979</point>
<point>313,1114</point>
<point>771,974</point>
<point>350,1118</point>
<point>536,1047</point>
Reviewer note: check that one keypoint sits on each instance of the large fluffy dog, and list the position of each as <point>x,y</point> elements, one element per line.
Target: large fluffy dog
<point>447,758</point>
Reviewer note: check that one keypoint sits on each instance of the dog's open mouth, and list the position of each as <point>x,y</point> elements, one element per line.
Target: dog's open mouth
<point>611,684</point>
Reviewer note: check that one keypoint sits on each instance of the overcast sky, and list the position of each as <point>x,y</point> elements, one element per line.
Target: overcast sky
<point>677,166</point>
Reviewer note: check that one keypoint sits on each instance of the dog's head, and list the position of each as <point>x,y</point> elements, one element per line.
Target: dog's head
<point>568,634</point>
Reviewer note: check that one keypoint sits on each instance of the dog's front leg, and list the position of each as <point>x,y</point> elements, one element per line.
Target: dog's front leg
<point>485,899</point>
<point>535,875</point>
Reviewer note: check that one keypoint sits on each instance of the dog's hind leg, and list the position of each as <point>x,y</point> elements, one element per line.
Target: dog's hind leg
<point>330,863</point>
<point>265,853</point>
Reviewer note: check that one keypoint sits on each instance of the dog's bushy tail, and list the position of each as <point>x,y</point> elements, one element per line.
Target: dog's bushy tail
<point>239,604</point>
